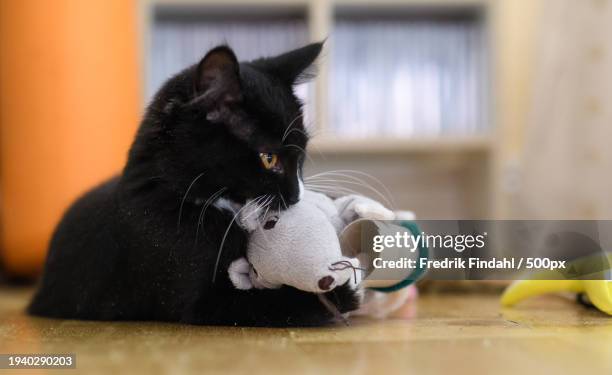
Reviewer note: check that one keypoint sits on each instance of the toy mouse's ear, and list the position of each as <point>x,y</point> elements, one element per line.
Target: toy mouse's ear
<point>239,274</point>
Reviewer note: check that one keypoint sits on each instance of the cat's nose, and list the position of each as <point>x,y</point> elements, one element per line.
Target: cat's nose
<point>293,199</point>
<point>326,282</point>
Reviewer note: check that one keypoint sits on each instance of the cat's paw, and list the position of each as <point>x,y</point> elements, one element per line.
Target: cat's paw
<point>347,297</point>
<point>353,207</point>
<point>239,274</point>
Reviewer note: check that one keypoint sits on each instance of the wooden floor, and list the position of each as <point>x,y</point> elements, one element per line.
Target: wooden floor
<point>454,334</point>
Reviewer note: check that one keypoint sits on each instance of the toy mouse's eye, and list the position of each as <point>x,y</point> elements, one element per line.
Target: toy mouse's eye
<point>270,223</point>
<point>270,161</point>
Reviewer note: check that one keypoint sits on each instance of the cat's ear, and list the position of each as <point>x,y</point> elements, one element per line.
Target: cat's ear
<point>217,78</point>
<point>293,67</point>
<point>217,88</point>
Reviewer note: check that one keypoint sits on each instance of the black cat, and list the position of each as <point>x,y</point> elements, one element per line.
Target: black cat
<point>146,245</point>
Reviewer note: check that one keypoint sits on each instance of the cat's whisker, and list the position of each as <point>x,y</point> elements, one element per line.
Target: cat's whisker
<point>263,233</point>
<point>296,146</point>
<point>339,182</point>
<point>312,130</point>
<point>335,189</point>
<point>351,180</point>
<point>349,172</point>
<point>345,173</point>
<point>225,237</point>
<point>266,202</point>
<point>267,209</point>
<point>282,200</point>
<point>332,190</point>
<point>318,150</point>
<point>261,203</point>
<point>178,224</point>
<point>267,241</point>
<point>303,151</point>
<point>208,202</point>
<point>257,201</point>
<point>334,193</point>
<point>315,131</point>
<point>287,131</point>
<point>299,131</point>
<point>261,228</point>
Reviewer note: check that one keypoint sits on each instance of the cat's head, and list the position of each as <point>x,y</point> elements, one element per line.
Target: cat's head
<point>240,124</point>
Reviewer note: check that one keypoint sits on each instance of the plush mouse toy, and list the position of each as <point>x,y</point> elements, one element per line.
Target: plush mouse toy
<point>301,247</point>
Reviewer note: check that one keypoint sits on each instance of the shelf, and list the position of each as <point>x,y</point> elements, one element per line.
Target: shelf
<point>383,145</point>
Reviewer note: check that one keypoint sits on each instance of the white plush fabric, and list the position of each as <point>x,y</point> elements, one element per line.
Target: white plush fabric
<point>303,246</point>
<point>301,250</point>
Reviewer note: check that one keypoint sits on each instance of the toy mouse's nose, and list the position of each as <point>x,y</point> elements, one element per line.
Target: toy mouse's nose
<point>326,282</point>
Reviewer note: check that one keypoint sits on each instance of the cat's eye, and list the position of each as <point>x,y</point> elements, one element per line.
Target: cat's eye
<point>270,161</point>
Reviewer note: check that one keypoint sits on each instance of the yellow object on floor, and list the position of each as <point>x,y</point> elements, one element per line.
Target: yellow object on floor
<point>598,291</point>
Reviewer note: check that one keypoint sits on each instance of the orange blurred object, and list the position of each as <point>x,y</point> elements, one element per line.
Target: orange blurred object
<point>69,107</point>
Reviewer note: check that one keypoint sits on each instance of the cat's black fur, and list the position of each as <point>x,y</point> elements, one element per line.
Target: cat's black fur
<point>121,252</point>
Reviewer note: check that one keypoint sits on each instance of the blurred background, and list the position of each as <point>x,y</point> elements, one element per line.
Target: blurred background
<point>462,109</point>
